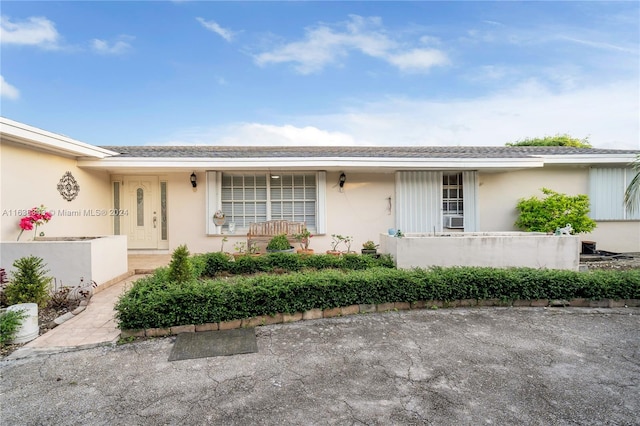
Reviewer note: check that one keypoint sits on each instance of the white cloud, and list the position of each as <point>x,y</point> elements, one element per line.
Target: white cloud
<point>35,31</point>
<point>118,47</point>
<point>418,59</point>
<point>600,45</point>
<point>324,45</point>
<point>529,109</point>
<point>259,135</point>
<point>216,28</point>
<point>7,90</point>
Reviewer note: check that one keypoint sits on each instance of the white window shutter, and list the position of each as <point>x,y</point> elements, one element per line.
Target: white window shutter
<point>419,201</point>
<point>606,193</point>
<point>213,201</point>
<point>470,200</point>
<point>321,205</point>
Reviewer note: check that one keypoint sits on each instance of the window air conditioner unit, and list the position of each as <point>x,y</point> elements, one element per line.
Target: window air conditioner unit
<point>454,222</point>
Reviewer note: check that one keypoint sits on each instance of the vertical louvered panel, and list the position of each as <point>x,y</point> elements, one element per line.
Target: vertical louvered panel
<point>419,201</point>
<point>470,200</point>
<point>213,200</point>
<point>606,193</point>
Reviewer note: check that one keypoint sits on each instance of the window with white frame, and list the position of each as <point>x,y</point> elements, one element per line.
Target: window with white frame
<point>244,198</point>
<point>606,193</point>
<point>452,200</point>
<point>257,197</point>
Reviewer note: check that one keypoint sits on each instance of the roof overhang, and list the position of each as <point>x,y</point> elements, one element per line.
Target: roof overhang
<point>128,164</point>
<point>22,134</point>
<point>610,159</point>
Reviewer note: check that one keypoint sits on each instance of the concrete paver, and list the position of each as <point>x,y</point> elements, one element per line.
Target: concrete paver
<point>96,324</point>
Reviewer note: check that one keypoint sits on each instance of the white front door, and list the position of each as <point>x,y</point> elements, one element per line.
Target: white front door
<point>142,223</point>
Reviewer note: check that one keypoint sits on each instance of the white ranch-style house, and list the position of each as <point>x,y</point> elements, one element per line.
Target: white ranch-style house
<point>163,196</point>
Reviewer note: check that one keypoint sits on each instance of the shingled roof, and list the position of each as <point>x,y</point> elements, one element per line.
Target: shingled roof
<point>206,151</point>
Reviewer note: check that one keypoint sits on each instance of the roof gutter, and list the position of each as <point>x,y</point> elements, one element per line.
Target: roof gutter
<point>115,163</point>
<point>13,131</point>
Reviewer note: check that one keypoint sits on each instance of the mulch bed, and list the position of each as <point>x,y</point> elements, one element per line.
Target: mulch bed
<point>45,320</point>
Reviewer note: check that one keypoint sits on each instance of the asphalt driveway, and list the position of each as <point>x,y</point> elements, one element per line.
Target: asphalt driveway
<point>502,366</point>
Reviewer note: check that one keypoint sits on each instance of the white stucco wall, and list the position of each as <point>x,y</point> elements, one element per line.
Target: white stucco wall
<point>360,211</point>
<point>67,262</point>
<point>619,237</point>
<point>491,249</point>
<point>500,192</point>
<point>29,178</point>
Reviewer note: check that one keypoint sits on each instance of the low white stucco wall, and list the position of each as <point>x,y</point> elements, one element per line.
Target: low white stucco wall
<point>495,249</point>
<point>98,259</point>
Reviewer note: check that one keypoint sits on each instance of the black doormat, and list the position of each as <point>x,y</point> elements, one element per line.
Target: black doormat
<point>214,343</point>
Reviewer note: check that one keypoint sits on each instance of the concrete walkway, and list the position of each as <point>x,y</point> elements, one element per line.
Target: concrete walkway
<point>96,325</point>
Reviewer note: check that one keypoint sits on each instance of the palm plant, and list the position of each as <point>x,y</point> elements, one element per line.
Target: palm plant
<point>632,193</point>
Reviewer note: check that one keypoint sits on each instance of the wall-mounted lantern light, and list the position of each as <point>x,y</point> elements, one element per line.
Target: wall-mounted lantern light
<point>194,182</point>
<point>343,179</point>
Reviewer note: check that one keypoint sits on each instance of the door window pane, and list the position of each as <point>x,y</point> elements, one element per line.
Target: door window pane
<point>163,211</point>
<point>116,207</point>
<point>140,207</point>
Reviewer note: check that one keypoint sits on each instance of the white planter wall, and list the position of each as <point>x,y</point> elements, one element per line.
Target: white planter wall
<point>491,249</point>
<point>99,259</point>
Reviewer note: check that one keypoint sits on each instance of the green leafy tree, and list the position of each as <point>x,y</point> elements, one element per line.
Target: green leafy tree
<point>557,140</point>
<point>632,193</point>
<point>555,211</point>
<point>30,283</point>
<point>180,268</point>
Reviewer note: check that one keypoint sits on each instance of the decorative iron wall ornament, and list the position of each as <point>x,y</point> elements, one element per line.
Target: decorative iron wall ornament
<point>68,187</point>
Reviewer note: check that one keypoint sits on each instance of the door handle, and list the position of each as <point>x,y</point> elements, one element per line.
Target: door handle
<point>155,222</point>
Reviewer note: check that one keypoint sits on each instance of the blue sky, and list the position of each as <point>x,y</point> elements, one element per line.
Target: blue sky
<point>323,73</point>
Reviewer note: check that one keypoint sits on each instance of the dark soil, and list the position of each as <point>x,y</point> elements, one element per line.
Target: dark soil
<point>53,310</point>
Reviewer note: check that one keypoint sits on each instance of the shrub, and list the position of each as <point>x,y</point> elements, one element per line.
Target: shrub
<point>180,268</point>
<point>30,283</point>
<point>214,263</point>
<point>555,211</point>
<point>10,321</point>
<point>288,262</point>
<point>278,243</point>
<point>153,303</point>
<point>249,265</point>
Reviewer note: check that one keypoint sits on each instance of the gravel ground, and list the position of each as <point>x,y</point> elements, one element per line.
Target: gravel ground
<point>629,261</point>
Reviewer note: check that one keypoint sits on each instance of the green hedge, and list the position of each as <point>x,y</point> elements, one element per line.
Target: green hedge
<point>214,264</point>
<point>154,302</point>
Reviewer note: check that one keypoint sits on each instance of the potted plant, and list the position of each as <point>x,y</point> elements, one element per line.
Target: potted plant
<point>336,241</point>
<point>279,244</point>
<point>242,249</point>
<point>369,247</point>
<point>304,239</point>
